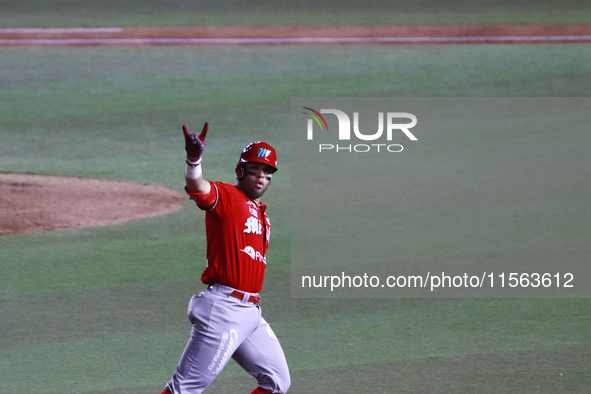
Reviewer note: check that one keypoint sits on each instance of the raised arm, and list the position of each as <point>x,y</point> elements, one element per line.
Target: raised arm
<point>194,145</point>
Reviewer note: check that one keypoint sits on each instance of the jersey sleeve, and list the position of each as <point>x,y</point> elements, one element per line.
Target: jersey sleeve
<point>205,201</point>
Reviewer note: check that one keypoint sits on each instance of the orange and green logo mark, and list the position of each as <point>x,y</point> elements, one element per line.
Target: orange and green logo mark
<point>315,116</point>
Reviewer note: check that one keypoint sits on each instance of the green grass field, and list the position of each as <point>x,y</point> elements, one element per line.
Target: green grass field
<point>57,13</point>
<point>102,310</point>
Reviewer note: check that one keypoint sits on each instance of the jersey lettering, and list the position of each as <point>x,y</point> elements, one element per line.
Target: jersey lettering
<point>253,226</point>
<point>254,212</point>
<point>255,255</point>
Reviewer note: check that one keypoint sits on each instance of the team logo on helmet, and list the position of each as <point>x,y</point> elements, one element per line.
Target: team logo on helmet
<point>258,152</point>
<point>263,153</point>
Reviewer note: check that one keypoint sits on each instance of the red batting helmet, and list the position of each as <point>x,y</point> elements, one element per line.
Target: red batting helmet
<point>258,152</point>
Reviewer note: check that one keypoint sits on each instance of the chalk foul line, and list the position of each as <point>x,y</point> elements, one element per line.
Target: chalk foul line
<point>61,30</point>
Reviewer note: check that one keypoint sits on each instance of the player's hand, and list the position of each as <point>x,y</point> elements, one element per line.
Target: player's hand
<point>195,144</point>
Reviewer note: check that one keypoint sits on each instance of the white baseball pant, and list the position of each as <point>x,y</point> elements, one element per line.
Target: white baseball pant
<point>224,327</point>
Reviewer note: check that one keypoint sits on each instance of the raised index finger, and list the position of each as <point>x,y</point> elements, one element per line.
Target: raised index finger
<point>185,131</point>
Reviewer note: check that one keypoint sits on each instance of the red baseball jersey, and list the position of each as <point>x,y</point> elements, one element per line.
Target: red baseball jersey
<point>238,232</point>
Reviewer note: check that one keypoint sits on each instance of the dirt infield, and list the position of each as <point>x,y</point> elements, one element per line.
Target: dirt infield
<point>34,203</point>
<point>295,35</point>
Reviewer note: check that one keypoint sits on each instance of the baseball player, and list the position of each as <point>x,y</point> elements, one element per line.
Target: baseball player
<point>226,318</point>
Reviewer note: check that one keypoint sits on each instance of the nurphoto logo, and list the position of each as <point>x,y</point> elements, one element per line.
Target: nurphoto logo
<point>393,125</point>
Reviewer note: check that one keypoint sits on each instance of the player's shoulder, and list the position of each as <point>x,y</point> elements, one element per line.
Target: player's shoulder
<point>226,188</point>
<point>229,195</point>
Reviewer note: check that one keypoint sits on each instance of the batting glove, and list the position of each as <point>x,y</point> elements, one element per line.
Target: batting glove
<point>195,144</point>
